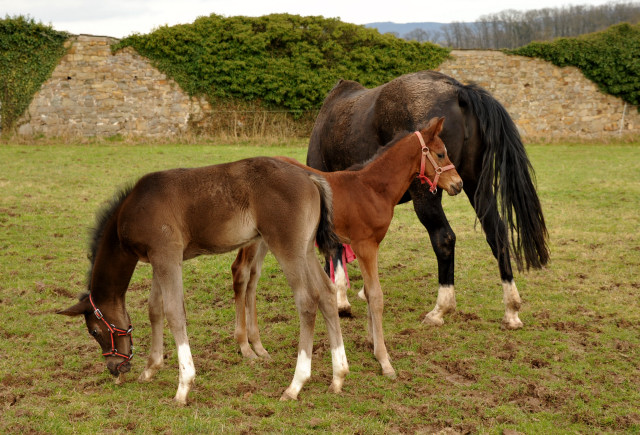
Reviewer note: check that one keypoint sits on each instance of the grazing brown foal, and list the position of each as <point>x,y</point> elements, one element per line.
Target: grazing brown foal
<point>171,216</point>
<point>363,203</point>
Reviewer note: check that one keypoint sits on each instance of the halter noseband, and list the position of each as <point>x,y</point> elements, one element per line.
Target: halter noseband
<point>113,330</point>
<point>439,169</point>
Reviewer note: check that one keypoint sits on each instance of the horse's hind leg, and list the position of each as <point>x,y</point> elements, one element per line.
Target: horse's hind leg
<point>167,272</point>
<point>307,305</point>
<point>246,271</point>
<point>329,310</point>
<point>340,281</point>
<point>156,319</point>
<point>250,302</point>
<point>492,226</point>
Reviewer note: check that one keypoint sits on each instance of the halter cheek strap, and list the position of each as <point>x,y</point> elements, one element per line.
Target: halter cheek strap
<point>433,185</point>
<point>114,331</point>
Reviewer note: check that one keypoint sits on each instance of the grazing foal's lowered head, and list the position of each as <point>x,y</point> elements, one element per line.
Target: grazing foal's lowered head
<point>116,342</point>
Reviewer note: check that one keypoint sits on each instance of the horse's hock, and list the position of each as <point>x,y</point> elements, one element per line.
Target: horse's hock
<point>545,101</point>
<point>93,92</point>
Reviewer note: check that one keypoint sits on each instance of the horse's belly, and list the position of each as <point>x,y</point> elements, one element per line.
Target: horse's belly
<point>221,237</point>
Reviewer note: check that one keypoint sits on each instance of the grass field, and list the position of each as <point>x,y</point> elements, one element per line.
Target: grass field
<point>573,368</point>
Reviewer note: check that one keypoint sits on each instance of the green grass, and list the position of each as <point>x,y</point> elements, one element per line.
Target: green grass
<point>575,367</point>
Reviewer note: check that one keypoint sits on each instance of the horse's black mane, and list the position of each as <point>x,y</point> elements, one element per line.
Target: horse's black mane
<point>400,135</point>
<point>103,215</point>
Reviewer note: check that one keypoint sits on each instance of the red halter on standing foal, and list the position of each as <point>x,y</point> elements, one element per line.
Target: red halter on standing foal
<point>439,169</point>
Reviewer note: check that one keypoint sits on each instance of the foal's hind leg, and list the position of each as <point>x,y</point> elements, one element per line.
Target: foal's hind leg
<point>246,271</point>
<point>311,287</point>
<point>156,318</point>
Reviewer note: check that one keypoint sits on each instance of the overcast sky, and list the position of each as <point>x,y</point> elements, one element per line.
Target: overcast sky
<point>119,18</point>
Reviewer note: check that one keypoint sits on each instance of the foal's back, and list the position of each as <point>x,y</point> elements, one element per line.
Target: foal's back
<point>218,208</point>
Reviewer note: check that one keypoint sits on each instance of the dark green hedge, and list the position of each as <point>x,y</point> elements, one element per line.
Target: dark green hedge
<point>280,60</point>
<point>29,52</point>
<point>610,58</point>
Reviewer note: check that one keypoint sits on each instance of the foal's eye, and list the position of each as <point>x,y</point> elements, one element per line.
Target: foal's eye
<point>94,333</point>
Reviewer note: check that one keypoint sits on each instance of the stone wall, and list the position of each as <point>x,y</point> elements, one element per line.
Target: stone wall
<point>95,93</point>
<point>545,101</point>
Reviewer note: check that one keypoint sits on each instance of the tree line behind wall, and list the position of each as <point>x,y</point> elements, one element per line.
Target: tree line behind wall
<point>512,29</point>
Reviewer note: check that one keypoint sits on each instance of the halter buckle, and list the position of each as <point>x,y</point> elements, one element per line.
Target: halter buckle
<point>98,314</point>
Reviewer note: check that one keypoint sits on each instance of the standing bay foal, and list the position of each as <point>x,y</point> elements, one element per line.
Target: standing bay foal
<point>175,215</point>
<point>363,203</point>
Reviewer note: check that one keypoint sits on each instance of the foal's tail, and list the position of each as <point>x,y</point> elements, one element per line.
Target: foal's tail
<point>506,178</point>
<point>326,238</point>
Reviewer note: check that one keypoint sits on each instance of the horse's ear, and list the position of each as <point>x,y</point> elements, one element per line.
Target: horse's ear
<point>439,125</point>
<point>81,307</point>
<point>434,126</point>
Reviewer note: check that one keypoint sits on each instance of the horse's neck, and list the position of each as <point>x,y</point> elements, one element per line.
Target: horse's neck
<point>392,172</point>
<point>112,267</point>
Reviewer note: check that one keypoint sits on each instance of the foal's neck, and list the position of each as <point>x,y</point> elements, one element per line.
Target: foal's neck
<point>399,164</point>
<point>112,267</point>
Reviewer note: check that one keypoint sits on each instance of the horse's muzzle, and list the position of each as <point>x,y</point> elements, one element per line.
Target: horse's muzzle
<point>454,188</point>
<point>118,367</point>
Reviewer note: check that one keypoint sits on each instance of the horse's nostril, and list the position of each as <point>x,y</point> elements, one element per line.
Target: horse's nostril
<point>124,368</point>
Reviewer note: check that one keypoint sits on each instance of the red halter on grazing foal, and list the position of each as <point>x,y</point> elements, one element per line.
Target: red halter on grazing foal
<point>439,169</point>
<point>113,330</point>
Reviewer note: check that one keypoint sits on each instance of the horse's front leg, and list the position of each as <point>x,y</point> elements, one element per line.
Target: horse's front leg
<point>367,253</point>
<point>495,230</point>
<point>168,274</point>
<point>156,319</point>
<point>443,240</point>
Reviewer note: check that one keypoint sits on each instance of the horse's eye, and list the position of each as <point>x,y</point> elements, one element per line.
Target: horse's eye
<point>441,155</point>
<point>94,333</point>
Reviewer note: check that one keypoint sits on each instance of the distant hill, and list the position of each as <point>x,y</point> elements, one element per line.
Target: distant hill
<point>434,32</point>
<point>403,28</point>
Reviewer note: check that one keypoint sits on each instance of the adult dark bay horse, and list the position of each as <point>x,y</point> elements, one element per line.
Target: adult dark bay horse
<point>175,215</point>
<point>363,202</point>
<point>485,147</point>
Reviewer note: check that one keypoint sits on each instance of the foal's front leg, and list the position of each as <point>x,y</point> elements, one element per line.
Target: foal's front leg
<point>156,318</point>
<point>367,253</point>
<point>168,274</point>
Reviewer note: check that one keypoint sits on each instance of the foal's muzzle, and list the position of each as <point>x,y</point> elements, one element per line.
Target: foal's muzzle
<point>118,367</point>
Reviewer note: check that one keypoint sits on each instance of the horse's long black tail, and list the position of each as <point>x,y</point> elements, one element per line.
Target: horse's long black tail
<point>326,238</point>
<point>507,178</point>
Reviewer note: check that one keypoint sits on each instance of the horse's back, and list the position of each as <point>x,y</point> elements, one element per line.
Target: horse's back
<point>218,208</point>
<point>355,121</point>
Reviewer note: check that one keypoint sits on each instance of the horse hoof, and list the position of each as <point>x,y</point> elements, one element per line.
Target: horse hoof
<point>120,379</point>
<point>390,374</point>
<point>431,319</point>
<point>336,389</point>
<point>180,401</point>
<point>512,324</point>
<point>287,396</point>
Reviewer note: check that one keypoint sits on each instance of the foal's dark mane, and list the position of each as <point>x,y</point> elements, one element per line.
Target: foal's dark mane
<point>103,215</point>
<point>399,136</point>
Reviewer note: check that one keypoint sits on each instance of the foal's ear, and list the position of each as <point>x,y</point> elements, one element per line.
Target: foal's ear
<point>434,126</point>
<point>81,307</point>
